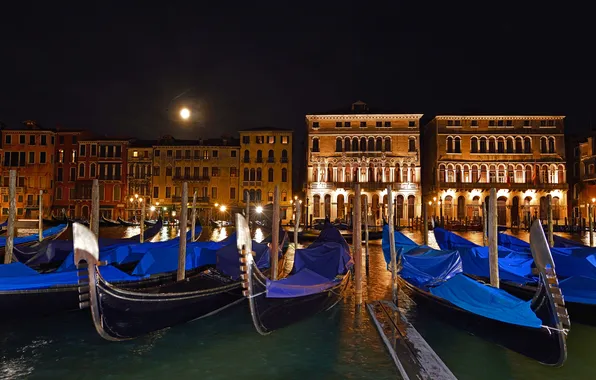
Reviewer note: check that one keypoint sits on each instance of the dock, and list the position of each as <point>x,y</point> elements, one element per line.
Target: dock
<point>413,356</point>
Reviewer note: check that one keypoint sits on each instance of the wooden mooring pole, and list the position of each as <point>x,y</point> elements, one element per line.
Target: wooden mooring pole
<point>181,273</point>
<point>248,209</point>
<point>12,213</point>
<point>297,215</point>
<point>425,222</point>
<point>590,225</point>
<point>484,225</point>
<point>95,208</point>
<point>142,225</point>
<point>357,240</point>
<point>366,227</point>
<point>493,248</point>
<point>549,220</point>
<point>392,245</point>
<point>193,223</point>
<point>275,234</point>
<point>40,218</point>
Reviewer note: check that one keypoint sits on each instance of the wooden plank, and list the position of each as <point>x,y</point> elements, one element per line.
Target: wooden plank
<point>412,355</point>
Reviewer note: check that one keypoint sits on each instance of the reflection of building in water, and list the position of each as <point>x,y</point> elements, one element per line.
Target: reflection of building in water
<point>523,157</point>
<point>359,145</point>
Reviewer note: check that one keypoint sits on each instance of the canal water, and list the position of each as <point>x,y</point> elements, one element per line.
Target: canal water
<point>338,344</point>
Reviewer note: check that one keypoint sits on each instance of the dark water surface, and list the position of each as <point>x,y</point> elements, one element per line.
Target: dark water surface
<point>339,344</point>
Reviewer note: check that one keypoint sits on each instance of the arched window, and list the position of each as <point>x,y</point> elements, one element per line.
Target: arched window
<point>528,174</point>
<point>387,144</point>
<point>246,178</point>
<point>246,156</point>
<point>117,193</point>
<point>474,145</point>
<point>258,195</point>
<point>270,175</point>
<point>338,145</point>
<point>412,144</point>
<point>442,177</point>
<point>259,156</point>
<point>543,148</point>
<point>259,174</point>
<point>561,174</point>
<point>270,156</point>
<point>491,145</point>
<point>316,203</point>
<point>475,174</point>
<point>347,144</point>
<point>315,144</point>
<point>528,145</point>
<point>363,144</point>
<point>457,144</point>
<point>483,174</point>
<point>509,145</point>
<point>284,154</point>
<point>81,170</point>
<point>371,144</point>
<point>519,145</point>
<point>449,144</point>
<point>551,145</point>
<point>450,174</point>
<point>483,145</point>
<point>501,145</point>
<point>92,172</point>
<point>448,206</point>
<point>379,146</point>
<point>284,175</point>
<point>355,147</point>
<point>252,174</point>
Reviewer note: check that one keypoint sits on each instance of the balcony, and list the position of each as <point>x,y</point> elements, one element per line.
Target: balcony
<point>246,160</point>
<point>191,178</point>
<point>259,160</point>
<point>370,186</point>
<point>252,183</point>
<point>503,185</point>
<point>589,177</point>
<point>271,160</point>
<point>284,160</point>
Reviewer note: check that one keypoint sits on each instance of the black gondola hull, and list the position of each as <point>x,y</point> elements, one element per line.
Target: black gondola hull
<point>277,313</point>
<point>544,345</point>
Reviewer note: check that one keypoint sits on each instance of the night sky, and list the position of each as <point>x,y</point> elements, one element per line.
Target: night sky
<point>115,69</point>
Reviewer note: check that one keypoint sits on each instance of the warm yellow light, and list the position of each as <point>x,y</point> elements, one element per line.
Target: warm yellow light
<point>152,208</point>
<point>141,200</point>
<point>174,213</point>
<point>593,200</point>
<point>295,197</point>
<point>301,201</point>
<point>291,201</point>
<point>157,203</point>
<point>217,204</point>
<point>165,208</point>
<point>435,199</point>
<point>222,208</point>
<point>430,203</point>
<point>132,199</point>
<point>137,196</point>
<point>185,113</point>
<point>259,209</point>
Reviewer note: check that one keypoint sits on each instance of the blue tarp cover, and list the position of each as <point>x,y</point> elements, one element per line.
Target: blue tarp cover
<point>316,268</point>
<point>303,283</point>
<point>15,270</point>
<point>401,242</point>
<point>33,238</point>
<point>228,258</point>
<point>424,271</point>
<point>513,267</point>
<point>35,280</point>
<point>579,289</point>
<point>449,240</point>
<point>162,260</point>
<point>487,301</point>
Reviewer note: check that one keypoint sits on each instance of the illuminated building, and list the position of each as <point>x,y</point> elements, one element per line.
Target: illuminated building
<point>67,157</point>
<point>523,157</point>
<point>139,178</point>
<point>266,161</point>
<point>360,145</point>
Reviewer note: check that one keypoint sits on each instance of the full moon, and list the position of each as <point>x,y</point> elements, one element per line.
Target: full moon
<point>185,113</point>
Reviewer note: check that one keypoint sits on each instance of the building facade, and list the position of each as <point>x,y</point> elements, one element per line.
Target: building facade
<point>585,189</point>
<point>209,166</point>
<point>359,145</point>
<point>67,155</point>
<point>523,157</point>
<point>139,177</point>
<point>30,151</point>
<point>105,160</point>
<point>266,161</point>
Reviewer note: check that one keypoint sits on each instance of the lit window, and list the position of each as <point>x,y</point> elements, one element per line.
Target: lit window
<point>135,153</point>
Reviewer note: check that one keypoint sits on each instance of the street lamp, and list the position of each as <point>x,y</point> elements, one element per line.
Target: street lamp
<point>222,208</point>
<point>259,209</point>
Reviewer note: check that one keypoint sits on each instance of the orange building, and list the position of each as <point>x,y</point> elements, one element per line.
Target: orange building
<point>104,159</point>
<point>30,151</point>
<point>67,154</point>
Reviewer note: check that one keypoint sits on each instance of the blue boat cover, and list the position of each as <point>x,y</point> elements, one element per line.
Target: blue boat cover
<point>579,289</point>
<point>316,268</point>
<point>449,240</point>
<point>163,260</point>
<point>562,242</point>
<point>36,280</point>
<point>228,258</point>
<point>33,238</point>
<point>487,301</point>
<point>15,270</point>
<point>402,243</point>
<point>424,271</point>
<point>513,243</point>
<point>513,267</point>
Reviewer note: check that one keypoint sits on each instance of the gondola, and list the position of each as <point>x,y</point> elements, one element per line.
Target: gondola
<point>317,282</point>
<point>535,328</point>
<point>25,293</point>
<point>109,222</point>
<point>150,222</point>
<point>62,220</point>
<point>577,275</point>
<point>26,245</point>
<point>124,313</point>
<point>127,223</point>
